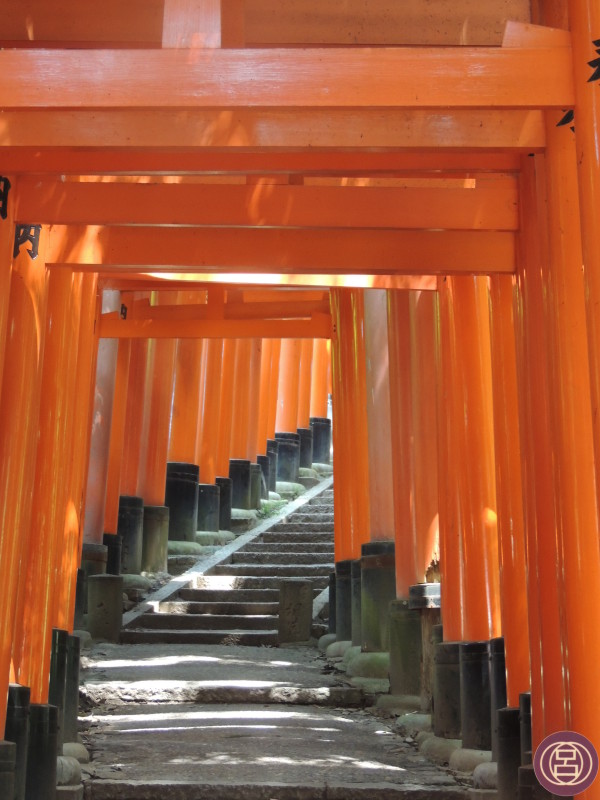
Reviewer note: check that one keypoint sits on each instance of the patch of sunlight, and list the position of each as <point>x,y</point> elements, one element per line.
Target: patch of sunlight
<point>172,728</point>
<point>165,661</point>
<point>378,765</point>
<point>323,762</point>
<point>253,714</point>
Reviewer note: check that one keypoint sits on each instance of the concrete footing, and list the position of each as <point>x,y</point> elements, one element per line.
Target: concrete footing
<point>446,691</point>
<point>306,447</point>
<point>58,680</point>
<point>475,702</point>
<point>405,648</point>
<point>225,502</point>
<point>295,610</point>
<point>130,528</point>
<point>105,607</point>
<point>42,752</point>
<point>68,771</point>
<point>8,754</point>
<point>378,565</point>
<point>485,776</point>
<point>321,429</point>
<point>181,496</point>
<point>17,732</point>
<point>356,601</point>
<point>72,689</point>
<point>338,648</point>
<point>440,749</point>
<point>155,539</point>
<point>209,501</point>
<point>369,665</point>
<point>343,600</point>
<point>288,458</point>
<point>466,759</point>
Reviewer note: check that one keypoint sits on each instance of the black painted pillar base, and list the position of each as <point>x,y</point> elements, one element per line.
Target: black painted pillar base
<point>8,754</point>
<point>508,752</point>
<point>58,679</point>
<point>331,623</point>
<point>17,731</point>
<point>265,465</point>
<point>497,689</point>
<point>356,591</point>
<point>209,502</point>
<point>529,787</point>
<point>321,428</point>
<point>130,528</point>
<point>226,488</point>
<point>306,447</point>
<point>475,702</point>
<point>239,472</point>
<point>378,580</point>
<point>343,600</point>
<point>42,752</point>
<point>446,691</point>
<point>181,497</point>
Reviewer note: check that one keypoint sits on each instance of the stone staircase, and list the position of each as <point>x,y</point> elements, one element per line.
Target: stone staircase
<point>238,602</point>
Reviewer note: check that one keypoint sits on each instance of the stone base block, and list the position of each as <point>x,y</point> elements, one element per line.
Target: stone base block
<point>295,610</point>
<point>483,794</point>
<point>287,490</point>
<point>77,751</point>
<point>68,771</point>
<point>485,775</point>
<point>337,649</point>
<point>184,548</point>
<point>440,750</point>
<point>214,538</point>
<point>349,656</point>
<point>411,724</point>
<point>325,641</point>
<point>324,470</point>
<point>369,665</point>
<point>399,704</point>
<point>466,759</point>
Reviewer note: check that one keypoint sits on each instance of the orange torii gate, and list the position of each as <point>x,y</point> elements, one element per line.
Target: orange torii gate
<point>223,110</point>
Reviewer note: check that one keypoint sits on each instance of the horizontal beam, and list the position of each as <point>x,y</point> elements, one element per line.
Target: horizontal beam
<point>281,309</point>
<point>240,161</point>
<point>430,77</point>
<point>134,281</point>
<point>283,250</point>
<point>289,128</point>
<point>114,328</point>
<point>492,206</point>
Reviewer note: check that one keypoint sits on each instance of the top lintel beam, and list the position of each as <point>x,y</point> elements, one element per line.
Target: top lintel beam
<point>426,77</point>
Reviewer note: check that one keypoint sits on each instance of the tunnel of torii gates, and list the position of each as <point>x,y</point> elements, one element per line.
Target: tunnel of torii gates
<point>195,208</point>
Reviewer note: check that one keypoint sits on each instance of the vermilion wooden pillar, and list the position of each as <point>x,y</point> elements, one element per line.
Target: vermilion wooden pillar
<point>186,392</point>
<point>511,531</point>
<point>99,443</point>
<point>540,501</point>
<point>254,398</point>
<point>54,545</point>
<point>398,321</point>
<point>117,437</point>
<point>424,388</point>
<point>7,234</point>
<point>476,478</point>
<point>450,460</point>
<point>263,401</point>
<point>81,427</point>
<point>304,387</point>
<point>273,387</point>
<point>240,419</point>
<point>153,468</point>
<point>226,407</point>
<point>210,410</point>
<point>381,493</point>
<point>579,557</point>
<point>351,503</point>
<point>289,384</point>
<point>584,22</point>
<point>134,416</point>
<point>19,411</point>
<point>319,381</point>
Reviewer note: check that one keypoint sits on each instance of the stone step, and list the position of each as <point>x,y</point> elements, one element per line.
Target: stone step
<point>288,547</point>
<point>240,637</point>
<point>298,538</point>
<point>314,516</point>
<point>207,622</point>
<point>250,595</point>
<point>275,571</point>
<point>257,582</point>
<point>223,606</point>
<point>267,557</point>
<point>303,527</point>
<point>123,789</point>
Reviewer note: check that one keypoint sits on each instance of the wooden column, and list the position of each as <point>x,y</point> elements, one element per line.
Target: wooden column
<point>153,469</point>
<point>273,387</point>
<point>476,478</point>
<point>450,461</point>
<point>240,419</point>
<point>319,381</point>
<point>304,387</point>
<point>381,491</point>
<point>226,407</point>
<point>511,529</point>
<point>54,543</point>
<point>424,388</point>
<point>398,321</point>
<point>117,437</point>
<point>351,508</point>
<point>8,188</point>
<point>540,501</point>
<point>289,384</point>
<point>19,412</point>
<point>210,410</point>
<point>134,416</point>
<point>263,401</point>
<point>253,398</point>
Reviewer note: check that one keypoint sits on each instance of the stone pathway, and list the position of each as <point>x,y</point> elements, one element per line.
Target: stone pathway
<point>182,720</point>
